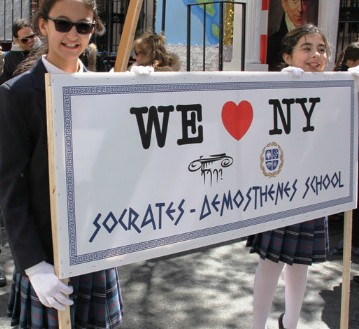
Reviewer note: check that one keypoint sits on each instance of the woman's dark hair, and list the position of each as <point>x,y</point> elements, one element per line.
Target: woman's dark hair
<point>351,52</point>
<point>19,24</point>
<point>291,39</point>
<point>43,13</point>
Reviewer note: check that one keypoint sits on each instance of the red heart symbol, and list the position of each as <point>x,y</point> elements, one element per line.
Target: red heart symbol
<point>237,118</point>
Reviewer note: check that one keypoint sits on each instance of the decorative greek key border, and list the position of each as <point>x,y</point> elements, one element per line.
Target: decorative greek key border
<point>73,91</point>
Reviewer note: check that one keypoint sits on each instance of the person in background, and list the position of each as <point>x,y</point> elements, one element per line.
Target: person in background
<point>3,281</point>
<point>1,60</point>
<point>37,293</point>
<point>24,41</point>
<point>89,57</point>
<point>295,247</point>
<point>295,15</point>
<point>150,50</point>
<point>349,57</point>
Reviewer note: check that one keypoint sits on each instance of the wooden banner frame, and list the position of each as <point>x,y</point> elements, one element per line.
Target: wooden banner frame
<point>64,317</point>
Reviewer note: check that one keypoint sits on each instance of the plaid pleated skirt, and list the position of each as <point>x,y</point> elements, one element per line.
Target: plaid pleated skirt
<point>303,243</point>
<point>97,303</point>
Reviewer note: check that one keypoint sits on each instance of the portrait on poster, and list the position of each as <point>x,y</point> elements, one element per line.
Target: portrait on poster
<point>283,16</point>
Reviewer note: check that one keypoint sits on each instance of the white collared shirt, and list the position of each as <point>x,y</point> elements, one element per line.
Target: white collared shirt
<point>288,22</point>
<point>51,68</point>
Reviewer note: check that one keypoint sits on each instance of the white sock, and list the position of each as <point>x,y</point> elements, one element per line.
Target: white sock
<point>265,284</point>
<point>295,280</point>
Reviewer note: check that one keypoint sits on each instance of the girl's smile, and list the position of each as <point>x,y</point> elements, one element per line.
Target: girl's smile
<point>309,54</point>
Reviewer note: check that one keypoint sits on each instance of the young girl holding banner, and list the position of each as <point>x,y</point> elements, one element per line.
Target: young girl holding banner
<point>37,293</point>
<point>294,247</point>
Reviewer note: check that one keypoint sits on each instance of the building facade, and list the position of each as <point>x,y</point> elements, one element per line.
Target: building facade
<point>246,20</point>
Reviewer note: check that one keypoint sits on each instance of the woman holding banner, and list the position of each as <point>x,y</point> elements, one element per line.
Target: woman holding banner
<point>295,247</point>
<point>37,293</point>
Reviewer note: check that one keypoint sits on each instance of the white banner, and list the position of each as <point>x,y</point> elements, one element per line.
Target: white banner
<point>152,165</point>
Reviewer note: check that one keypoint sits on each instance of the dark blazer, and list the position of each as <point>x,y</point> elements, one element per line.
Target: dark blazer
<point>24,180</point>
<point>11,60</point>
<point>274,55</point>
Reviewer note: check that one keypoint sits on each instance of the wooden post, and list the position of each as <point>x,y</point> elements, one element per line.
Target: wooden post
<point>347,249</point>
<point>63,316</point>
<point>129,29</point>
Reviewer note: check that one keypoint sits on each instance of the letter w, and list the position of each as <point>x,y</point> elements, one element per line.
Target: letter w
<point>153,121</point>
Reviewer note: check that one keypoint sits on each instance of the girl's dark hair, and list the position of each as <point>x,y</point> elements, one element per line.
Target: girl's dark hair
<point>43,13</point>
<point>291,39</point>
<point>351,52</point>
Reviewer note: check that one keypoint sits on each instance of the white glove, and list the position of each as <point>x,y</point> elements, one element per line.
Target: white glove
<point>295,71</point>
<point>142,70</point>
<point>354,71</point>
<point>48,287</point>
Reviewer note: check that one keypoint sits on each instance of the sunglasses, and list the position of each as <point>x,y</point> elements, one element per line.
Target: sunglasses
<point>26,39</point>
<point>65,26</point>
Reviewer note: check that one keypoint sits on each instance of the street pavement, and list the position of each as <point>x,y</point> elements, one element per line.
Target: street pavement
<point>211,288</point>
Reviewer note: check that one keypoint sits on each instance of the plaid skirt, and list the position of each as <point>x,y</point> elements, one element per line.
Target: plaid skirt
<point>97,303</point>
<point>303,243</point>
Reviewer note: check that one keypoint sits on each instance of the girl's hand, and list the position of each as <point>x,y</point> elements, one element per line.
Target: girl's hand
<point>295,71</point>
<point>48,287</point>
<point>142,70</point>
<point>354,71</point>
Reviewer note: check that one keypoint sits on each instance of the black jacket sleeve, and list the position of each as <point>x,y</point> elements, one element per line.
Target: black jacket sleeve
<point>24,184</point>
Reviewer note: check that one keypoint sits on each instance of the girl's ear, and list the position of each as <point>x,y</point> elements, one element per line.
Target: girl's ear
<point>43,25</point>
<point>287,59</point>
